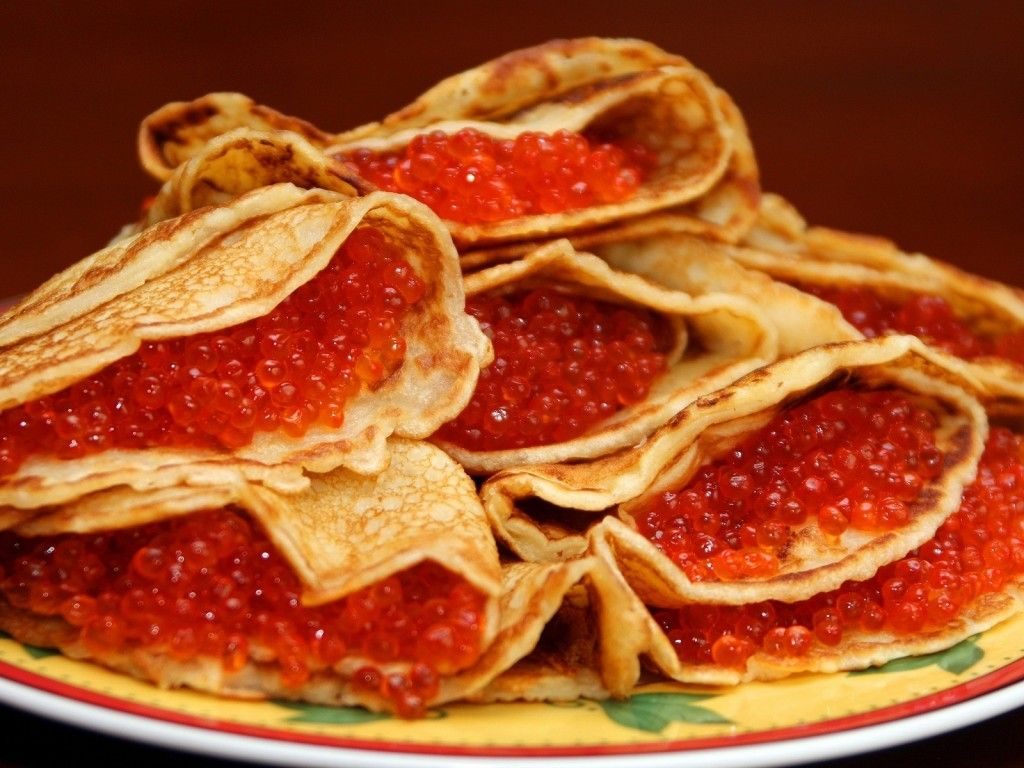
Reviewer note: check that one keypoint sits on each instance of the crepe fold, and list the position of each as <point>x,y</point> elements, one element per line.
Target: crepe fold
<point>858,649</point>
<point>705,178</point>
<point>783,246</point>
<point>547,512</point>
<point>548,631</point>
<point>344,533</point>
<point>215,268</point>
<point>715,339</point>
<point>782,281</point>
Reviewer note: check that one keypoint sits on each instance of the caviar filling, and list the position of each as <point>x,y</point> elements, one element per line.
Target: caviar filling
<point>845,458</point>
<point>977,550</point>
<point>471,178</point>
<point>288,370</point>
<point>929,317</point>
<point>211,585</point>
<point>562,363</point>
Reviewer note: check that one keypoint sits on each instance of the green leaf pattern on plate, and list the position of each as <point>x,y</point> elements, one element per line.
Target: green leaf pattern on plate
<point>955,660</point>
<point>323,715</point>
<point>39,653</point>
<point>651,712</point>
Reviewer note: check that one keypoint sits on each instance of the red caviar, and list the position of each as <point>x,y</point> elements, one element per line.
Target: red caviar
<point>212,585</point>
<point>289,370</point>
<point>929,317</point>
<point>472,178</point>
<point>846,458</point>
<point>562,363</point>
<point>976,551</point>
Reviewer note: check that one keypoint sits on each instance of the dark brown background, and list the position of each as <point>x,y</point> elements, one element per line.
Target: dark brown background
<point>904,120</point>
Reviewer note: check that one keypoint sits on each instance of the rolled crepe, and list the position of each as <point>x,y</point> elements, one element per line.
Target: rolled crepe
<point>412,537</point>
<point>828,261</point>
<point>561,635</point>
<point>962,581</point>
<point>795,286</point>
<point>219,268</point>
<point>538,631</point>
<point>704,178</point>
<point>713,339</point>
<point>543,512</point>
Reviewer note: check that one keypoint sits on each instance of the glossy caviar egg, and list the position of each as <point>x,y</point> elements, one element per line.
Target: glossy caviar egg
<point>212,585</point>
<point>472,178</point>
<point>288,370</point>
<point>975,551</point>
<point>846,458</point>
<point>562,363</point>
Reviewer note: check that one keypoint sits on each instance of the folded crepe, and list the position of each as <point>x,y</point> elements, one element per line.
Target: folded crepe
<point>286,330</point>
<point>380,591</point>
<point>978,323</point>
<point>974,325</point>
<point>561,635</point>
<point>242,160</point>
<point>965,579</point>
<point>697,174</point>
<point>801,475</point>
<point>564,328</point>
<point>358,590</point>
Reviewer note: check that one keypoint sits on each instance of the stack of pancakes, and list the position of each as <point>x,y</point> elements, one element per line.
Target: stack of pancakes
<point>206,482</point>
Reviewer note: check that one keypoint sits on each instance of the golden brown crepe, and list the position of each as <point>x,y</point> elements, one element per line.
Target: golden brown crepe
<point>215,268</point>
<point>705,178</point>
<point>349,531</point>
<point>804,320</point>
<point>542,511</point>
<point>784,247</point>
<point>724,214</point>
<point>694,264</point>
<point>345,532</point>
<point>716,339</point>
<point>858,648</point>
<point>241,160</point>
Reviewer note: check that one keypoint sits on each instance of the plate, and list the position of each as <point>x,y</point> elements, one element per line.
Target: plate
<point>804,718</point>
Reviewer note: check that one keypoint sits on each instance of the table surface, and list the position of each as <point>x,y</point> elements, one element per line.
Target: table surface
<point>895,119</point>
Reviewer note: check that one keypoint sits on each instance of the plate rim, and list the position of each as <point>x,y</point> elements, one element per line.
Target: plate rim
<point>962,705</point>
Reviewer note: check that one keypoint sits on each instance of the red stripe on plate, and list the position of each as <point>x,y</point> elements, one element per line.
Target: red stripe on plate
<point>1011,673</point>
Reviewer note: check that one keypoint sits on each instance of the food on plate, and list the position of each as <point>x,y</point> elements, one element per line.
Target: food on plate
<point>524,392</point>
<point>289,329</point>
<point>963,580</point>
<point>855,287</point>
<point>368,590</point>
<point>588,360</point>
<point>802,474</point>
<point>560,138</point>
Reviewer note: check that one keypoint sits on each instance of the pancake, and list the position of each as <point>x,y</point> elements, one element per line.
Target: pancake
<point>710,340</point>
<point>221,268</point>
<point>703,176</point>
<point>978,323</point>
<point>962,581</point>
<point>543,512</point>
<point>360,540</point>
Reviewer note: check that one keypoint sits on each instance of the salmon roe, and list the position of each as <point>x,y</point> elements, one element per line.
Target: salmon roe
<point>212,585</point>
<point>929,317</point>
<point>288,370</point>
<point>562,364</point>
<point>845,458</point>
<point>472,178</point>
<point>976,551</point>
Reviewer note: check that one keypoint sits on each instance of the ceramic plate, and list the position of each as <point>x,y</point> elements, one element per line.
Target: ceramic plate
<point>809,717</point>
